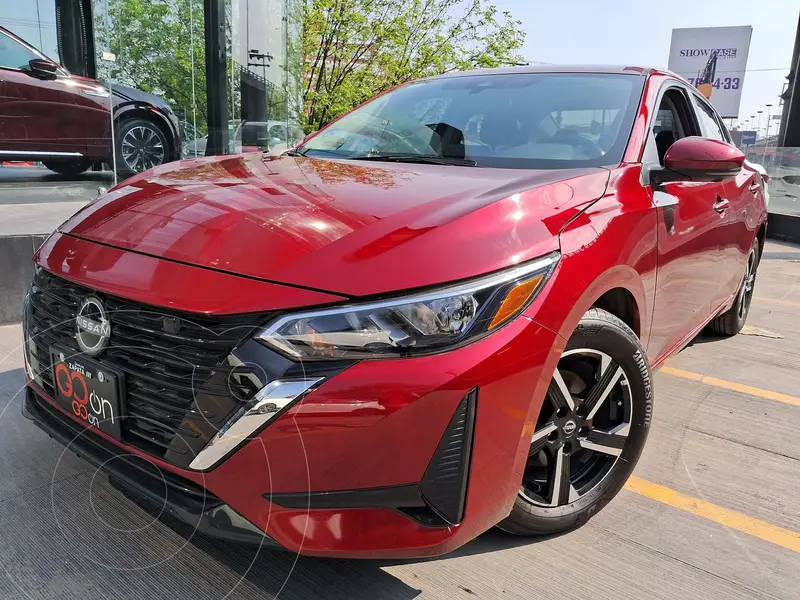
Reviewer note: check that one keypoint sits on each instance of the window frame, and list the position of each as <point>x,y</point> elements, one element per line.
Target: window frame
<point>650,148</point>
<point>702,102</point>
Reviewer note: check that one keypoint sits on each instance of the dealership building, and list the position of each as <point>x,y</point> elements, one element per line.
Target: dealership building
<point>216,63</point>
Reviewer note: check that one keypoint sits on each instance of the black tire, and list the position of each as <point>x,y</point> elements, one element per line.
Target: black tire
<point>630,394</point>
<point>141,145</point>
<point>70,167</point>
<point>731,322</point>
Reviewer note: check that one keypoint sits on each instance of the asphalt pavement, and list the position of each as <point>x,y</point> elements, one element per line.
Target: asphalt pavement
<point>713,510</point>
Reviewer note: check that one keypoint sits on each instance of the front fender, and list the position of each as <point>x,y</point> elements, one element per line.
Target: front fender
<point>611,245</point>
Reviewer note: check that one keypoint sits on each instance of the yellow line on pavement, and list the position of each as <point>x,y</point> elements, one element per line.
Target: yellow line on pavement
<point>726,517</point>
<point>730,385</point>
<point>776,301</point>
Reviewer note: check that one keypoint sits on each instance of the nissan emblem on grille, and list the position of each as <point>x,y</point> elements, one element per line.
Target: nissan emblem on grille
<point>92,327</point>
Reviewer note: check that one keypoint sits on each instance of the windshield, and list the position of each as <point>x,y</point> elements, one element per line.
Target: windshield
<point>528,121</point>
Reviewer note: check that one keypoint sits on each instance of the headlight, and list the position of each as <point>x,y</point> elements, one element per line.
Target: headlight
<point>420,323</point>
<point>97,92</point>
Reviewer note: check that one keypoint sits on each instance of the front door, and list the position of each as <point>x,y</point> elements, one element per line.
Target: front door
<point>690,219</point>
<point>743,215</point>
<point>44,116</point>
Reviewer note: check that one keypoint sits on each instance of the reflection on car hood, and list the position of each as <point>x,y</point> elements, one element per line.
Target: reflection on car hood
<point>342,226</point>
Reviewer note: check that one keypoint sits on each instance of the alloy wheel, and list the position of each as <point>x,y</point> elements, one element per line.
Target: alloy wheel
<point>748,283</point>
<point>142,148</point>
<point>582,429</point>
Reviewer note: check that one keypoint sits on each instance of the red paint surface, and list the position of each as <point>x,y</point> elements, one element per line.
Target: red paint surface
<point>695,153</point>
<point>340,226</point>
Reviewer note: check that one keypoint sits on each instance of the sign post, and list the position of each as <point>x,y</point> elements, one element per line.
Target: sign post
<point>713,59</point>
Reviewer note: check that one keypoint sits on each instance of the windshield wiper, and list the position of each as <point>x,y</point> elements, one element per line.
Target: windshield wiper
<point>294,153</point>
<point>418,158</point>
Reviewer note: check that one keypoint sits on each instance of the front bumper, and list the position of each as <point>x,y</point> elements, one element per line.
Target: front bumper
<point>340,473</point>
<point>141,480</point>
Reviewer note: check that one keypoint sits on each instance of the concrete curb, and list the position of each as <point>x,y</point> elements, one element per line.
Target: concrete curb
<point>16,272</point>
<point>784,227</point>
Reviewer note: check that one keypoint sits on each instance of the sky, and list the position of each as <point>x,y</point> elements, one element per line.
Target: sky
<point>638,33</point>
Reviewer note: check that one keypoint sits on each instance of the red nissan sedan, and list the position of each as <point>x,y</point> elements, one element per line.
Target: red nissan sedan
<point>437,315</point>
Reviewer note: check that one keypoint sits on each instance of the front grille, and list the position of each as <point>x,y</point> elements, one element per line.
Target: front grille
<point>170,360</point>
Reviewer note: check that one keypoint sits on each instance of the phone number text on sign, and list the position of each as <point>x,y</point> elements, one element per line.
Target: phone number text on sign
<point>728,83</point>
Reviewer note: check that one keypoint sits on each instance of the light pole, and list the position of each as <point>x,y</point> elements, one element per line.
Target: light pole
<point>259,56</point>
<point>758,127</point>
<point>766,146</point>
<point>264,59</point>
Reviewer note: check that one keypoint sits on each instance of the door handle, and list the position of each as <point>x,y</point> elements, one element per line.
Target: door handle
<point>721,205</point>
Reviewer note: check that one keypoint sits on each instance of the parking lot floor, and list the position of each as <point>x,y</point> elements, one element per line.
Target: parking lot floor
<point>713,510</point>
<point>34,200</point>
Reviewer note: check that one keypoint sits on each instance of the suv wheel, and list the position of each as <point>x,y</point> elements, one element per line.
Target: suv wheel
<point>141,145</point>
<point>732,321</point>
<point>591,429</point>
<point>68,167</point>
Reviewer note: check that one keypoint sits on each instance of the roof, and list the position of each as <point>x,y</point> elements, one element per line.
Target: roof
<point>547,68</point>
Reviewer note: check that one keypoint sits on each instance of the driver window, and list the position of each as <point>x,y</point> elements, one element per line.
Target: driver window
<point>711,127</point>
<point>673,121</point>
<point>13,54</point>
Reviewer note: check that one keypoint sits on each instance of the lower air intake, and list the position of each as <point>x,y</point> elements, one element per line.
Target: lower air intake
<point>444,485</point>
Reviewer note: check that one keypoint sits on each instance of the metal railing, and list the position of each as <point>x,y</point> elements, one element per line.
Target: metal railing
<point>782,164</point>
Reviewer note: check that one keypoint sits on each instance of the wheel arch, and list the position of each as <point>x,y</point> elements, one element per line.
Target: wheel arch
<point>761,236</point>
<point>144,111</point>
<point>618,290</point>
<point>621,303</point>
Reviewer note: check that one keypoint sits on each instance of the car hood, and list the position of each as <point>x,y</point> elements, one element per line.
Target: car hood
<point>349,227</point>
<point>129,94</point>
<point>124,93</point>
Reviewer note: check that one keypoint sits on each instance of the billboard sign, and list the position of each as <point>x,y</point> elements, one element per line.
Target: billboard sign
<point>713,59</point>
<point>748,138</point>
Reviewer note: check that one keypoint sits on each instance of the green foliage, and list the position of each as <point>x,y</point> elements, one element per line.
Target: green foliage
<point>153,42</point>
<point>341,52</point>
<point>354,49</point>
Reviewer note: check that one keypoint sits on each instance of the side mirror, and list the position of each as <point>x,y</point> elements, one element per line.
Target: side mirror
<point>43,69</point>
<point>701,159</point>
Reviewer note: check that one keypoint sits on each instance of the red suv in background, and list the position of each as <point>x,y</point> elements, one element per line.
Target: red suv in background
<point>437,315</point>
<point>49,115</point>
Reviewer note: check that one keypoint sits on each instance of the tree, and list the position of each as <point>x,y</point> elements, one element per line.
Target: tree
<point>354,49</point>
<point>159,47</point>
<point>340,52</point>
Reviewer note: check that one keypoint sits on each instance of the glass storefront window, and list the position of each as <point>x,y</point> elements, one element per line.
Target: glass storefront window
<point>140,83</point>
